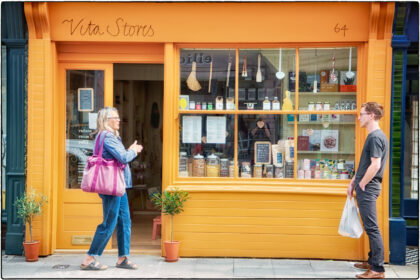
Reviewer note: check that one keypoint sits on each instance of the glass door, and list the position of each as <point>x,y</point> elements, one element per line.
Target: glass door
<point>84,89</point>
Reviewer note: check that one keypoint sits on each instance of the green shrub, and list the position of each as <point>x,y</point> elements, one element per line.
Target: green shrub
<point>170,203</point>
<point>28,206</point>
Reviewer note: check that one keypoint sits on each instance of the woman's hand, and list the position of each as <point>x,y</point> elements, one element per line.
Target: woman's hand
<point>135,147</point>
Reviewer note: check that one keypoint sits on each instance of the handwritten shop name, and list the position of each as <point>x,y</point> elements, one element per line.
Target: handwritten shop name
<point>118,28</point>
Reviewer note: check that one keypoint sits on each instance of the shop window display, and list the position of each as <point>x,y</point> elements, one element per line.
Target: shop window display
<point>207,79</point>
<point>263,82</point>
<point>274,137</point>
<point>206,145</point>
<point>325,146</point>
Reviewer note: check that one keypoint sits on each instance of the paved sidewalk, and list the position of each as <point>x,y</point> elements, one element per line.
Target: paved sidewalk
<point>67,266</point>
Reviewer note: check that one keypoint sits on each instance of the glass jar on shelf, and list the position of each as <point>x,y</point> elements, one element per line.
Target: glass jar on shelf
<point>212,166</point>
<point>224,167</point>
<point>199,166</point>
<point>183,164</point>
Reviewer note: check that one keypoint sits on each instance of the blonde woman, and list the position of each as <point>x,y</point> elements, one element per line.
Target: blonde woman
<point>116,212</point>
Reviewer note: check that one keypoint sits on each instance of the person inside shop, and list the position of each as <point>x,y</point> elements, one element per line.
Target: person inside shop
<point>261,132</point>
<point>116,212</point>
<point>367,184</point>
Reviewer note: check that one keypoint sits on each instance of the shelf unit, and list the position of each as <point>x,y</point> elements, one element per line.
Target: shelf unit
<point>326,152</point>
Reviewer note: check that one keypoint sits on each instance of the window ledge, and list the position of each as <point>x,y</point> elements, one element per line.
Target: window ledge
<point>327,188</point>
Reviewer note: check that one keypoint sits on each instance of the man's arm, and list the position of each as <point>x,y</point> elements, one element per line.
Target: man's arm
<point>373,168</point>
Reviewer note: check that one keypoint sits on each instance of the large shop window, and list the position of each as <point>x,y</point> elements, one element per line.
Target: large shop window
<point>244,114</point>
<point>85,96</point>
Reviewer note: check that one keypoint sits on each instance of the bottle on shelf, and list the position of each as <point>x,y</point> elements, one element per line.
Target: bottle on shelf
<point>348,106</point>
<point>266,104</point>
<point>337,106</point>
<point>317,173</point>
<point>276,103</point>
<point>353,105</point>
<point>343,106</point>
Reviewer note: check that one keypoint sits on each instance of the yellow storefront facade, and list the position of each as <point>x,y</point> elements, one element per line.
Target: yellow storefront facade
<point>289,210</point>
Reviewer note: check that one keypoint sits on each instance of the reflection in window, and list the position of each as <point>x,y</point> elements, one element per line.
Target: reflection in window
<point>80,121</point>
<point>207,79</point>
<point>265,78</point>
<point>206,145</point>
<point>328,79</point>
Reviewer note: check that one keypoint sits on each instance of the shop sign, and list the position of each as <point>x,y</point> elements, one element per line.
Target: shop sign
<point>85,99</point>
<point>120,27</point>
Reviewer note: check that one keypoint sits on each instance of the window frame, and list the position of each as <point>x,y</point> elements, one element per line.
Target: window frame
<point>237,180</point>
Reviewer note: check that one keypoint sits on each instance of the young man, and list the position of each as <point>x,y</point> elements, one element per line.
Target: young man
<point>367,184</point>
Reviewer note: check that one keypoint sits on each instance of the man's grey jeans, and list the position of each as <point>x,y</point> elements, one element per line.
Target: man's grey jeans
<point>366,201</point>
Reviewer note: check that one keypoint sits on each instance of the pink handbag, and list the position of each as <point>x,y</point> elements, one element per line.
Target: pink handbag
<point>103,176</point>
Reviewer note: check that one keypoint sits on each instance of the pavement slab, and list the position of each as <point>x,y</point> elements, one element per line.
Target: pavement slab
<point>152,266</point>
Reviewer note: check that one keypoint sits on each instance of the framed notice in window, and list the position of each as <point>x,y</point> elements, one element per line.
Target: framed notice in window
<point>85,99</point>
<point>262,154</point>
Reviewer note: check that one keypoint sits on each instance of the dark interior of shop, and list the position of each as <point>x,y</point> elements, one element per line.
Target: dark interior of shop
<point>138,96</point>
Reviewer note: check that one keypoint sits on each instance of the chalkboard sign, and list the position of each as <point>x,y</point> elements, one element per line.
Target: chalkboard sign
<point>85,99</point>
<point>262,153</point>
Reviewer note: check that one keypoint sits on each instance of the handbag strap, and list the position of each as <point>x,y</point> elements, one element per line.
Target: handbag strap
<point>99,153</point>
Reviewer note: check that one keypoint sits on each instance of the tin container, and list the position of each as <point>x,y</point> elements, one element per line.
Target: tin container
<point>199,166</point>
<point>308,174</point>
<point>246,169</point>
<point>278,172</point>
<point>306,164</point>
<point>269,171</point>
<point>257,171</point>
<point>183,164</point>
<point>224,167</point>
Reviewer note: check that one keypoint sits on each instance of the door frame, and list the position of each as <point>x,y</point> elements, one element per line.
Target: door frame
<point>75,196</point>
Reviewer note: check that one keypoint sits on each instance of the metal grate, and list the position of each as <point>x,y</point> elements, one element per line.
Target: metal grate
<point>412,256</point>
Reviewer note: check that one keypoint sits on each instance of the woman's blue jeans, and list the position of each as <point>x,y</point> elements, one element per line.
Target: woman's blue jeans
<point>116,213</point>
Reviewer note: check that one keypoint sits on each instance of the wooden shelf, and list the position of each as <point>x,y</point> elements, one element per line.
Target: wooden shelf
<point>331,153</point>
<point>321,123</point>
<point>335,94</point>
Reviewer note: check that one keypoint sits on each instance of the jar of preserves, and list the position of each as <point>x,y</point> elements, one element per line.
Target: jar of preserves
<point>212,166</point>
<point>257,171</point>
<point>326,106</point>
<point>199,166</point>
<point>231,168</point>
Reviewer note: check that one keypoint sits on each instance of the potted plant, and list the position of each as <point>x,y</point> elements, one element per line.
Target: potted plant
<point>171,202</point>
<point>28,206</point>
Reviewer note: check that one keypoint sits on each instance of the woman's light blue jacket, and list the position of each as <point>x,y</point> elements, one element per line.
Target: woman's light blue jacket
<point>114,148</point>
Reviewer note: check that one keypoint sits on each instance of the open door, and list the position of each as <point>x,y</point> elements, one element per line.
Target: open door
<point>84,89</point>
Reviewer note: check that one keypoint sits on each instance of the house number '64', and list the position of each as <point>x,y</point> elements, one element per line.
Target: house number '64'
<point>343,28</point>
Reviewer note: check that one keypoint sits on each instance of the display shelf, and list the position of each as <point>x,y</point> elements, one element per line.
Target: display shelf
<point>324,152</point>
<point>321,123</point>
<point>334,94</point>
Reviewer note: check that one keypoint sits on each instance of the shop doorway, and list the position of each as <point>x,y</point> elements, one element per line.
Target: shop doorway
<point>138,96</point>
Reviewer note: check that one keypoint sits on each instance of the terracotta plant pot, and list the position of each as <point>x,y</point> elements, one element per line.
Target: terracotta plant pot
<point>31,250</point>
<point>172,251</point>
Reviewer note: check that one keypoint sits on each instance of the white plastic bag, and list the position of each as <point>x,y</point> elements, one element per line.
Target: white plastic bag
<point>350,225</point>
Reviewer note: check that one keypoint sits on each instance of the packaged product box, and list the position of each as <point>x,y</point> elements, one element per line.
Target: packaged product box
<point>303,143</point>
<point>184,101</point>
<point>348,84</point>
<point>325,85</point>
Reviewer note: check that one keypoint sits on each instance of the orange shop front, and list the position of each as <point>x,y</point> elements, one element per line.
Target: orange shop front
<point>258,111</point>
